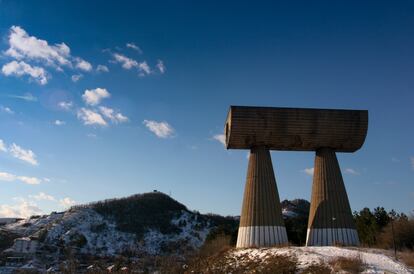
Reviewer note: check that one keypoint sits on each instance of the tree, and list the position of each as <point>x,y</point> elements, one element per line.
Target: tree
<point>367,226</point>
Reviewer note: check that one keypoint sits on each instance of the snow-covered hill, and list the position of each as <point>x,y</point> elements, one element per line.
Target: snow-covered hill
<point>142,225</point>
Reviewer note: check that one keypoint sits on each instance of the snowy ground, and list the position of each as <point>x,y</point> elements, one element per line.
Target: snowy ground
<point>374,260</point>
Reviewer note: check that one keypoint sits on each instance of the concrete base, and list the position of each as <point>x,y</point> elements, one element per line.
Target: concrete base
<point>332,236</point>
<point>261,236</point>
<point>261,221</point>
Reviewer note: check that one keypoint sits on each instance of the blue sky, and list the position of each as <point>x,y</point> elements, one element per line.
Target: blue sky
<point>103,99</point>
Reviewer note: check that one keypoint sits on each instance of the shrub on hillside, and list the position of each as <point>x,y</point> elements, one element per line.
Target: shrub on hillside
<point>350,265</point>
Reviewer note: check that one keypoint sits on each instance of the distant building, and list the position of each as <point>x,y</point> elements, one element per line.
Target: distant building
<point>24,245</point>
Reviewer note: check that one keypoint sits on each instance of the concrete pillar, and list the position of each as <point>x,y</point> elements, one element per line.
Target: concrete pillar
<point>330,217</point>
<point>261,222</point>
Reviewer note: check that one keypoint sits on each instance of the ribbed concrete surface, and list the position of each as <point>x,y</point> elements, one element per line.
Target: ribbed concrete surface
<point>332,236</point>
<point>261,236</point>
<point>261,204</point>
<point>330,212</point>
<point>295,128</point>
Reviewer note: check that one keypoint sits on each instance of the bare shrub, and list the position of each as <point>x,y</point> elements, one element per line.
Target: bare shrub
<point>407,257</point>
<point>403,234</point>
<point>351,265</point>
<point>219,243</point>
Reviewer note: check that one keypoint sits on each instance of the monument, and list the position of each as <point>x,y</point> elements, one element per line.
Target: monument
<point>326,131</point>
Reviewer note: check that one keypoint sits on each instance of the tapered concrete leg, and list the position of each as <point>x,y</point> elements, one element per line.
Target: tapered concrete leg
<point>330,216</point>
<point>261,222</point>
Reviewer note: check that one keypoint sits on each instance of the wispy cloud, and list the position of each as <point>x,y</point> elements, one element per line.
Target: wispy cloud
<point>9,177</point>
<point>26,155</point>
<point>6,110</point>
<point>309,171</point>
<point>126,62</point>
<point>161,67</point>
<point>21,68</point>
<point>41,196</point>
<point>102,68</point>
<point>412,162</point>
<point>160,129</point>
<point>144,69</point>
<point>27,97</point>
<point>95,96</point>
<point>220,138</point>
<point>129,63</point>
<point>134,47</point>
<point>351,171</point>
<point>59,122</point>
<point>67,202</point>
<point>114,116</point>
<point>395,160</point>
<point>3,146</point>
<point>65,105</point>
<point>76,77</point>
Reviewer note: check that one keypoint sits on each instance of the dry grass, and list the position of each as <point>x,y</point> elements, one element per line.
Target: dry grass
<point>350,265</point>
<point>222,263</point>
<point>279,264</point>
<point>317,269</point>
<point>407,257</point>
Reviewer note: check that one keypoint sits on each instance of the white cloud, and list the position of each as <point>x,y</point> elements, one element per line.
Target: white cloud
<point>26,49</point>
<point>23,154</point>
<point>82,64</point>
<point>102,68</point>
<point>161,67</point>
<point>144,69</point>
<point>66,202</point>
<point>23,46</point>
<point>90,117</point>
<point>95,96</point>
<point>4,176</point>
<point>6,110</point>
<point>65,105</point>
<point>76,77</point>
<point>134,47</point>
<point>29,180</point>
<point>113,115</point>
<point>23,209</point>
<point>8,177</point>
<point>59,122</point>
<point>221,138</point>
<point>351,171</point>
<point>161,129</point>
<point>27,97</point>
<point>43,197</point>
<point>3,146</point>
<point>21,68</point>
<point>127,63</point>
<point>308,171</point>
